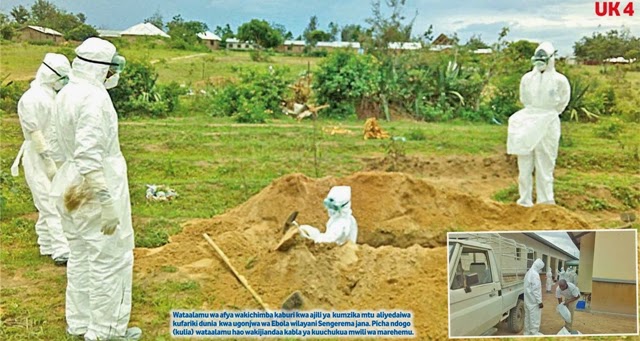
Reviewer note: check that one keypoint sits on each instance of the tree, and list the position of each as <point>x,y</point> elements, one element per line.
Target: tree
<point>522,49</point>
<point>46,14</point>
<point>475,42</point>
<point>260,32</point>
<point>333,31</point>
<point>156,20</point>
<point>427,36</point>
<point>352,32</point>
<point>7,28</point>
<point>43,11</point>
<point>315,36</point>
<point>20,14</point>
<point>385,30</point>
<point>224,32</point>
<point>184,33</point>
<point>389,29</point>
<point>81,32</point>
<point>601,46</point>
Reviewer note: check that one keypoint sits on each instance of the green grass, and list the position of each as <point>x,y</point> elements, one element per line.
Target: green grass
<point>21,61</point>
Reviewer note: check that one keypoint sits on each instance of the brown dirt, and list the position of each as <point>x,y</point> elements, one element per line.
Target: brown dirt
<point>399,262</point>
<point>479,175</point>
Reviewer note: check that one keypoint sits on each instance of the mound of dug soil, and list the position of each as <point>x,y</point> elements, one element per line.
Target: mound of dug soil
<point>399,262</point>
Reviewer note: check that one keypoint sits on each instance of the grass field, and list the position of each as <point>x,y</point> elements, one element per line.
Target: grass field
<point>215,165</point>
<point>20,62</point>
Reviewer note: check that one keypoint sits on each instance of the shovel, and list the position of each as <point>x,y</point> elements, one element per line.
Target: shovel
<point>290,230</point>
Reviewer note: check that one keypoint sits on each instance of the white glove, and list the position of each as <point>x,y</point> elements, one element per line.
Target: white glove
<point>39,143</point>
<point>50,167</point>
<point>109,218</point>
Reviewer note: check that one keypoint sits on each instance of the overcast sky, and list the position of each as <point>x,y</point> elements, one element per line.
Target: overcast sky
<point>562,240</point>
<point>561,22</point>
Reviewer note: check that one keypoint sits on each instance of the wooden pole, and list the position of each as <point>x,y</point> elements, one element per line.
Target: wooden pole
<point>235,272</point>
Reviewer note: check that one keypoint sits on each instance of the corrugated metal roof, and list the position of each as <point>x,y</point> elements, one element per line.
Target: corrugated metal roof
<point>108,33</point>
<point>145,29</point>
<point>208,35</point>
<point>405,45</point>
<point>45,30</point>
<point>338,44</point>
<point>294,42</point>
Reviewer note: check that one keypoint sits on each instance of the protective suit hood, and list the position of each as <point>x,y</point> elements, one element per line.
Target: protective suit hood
<point>550,50</point>
<point>97,50</point>
<point>338,201</point>
<point>538,265</point>
<point>52,63</point>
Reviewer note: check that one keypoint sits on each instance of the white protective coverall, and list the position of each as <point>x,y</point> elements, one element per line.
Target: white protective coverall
<point>35,109</point>
<point>532,299</point>
<point>99,272</point>
<point>549,280</point>
<point>342,226</point>
<point>534,132</point>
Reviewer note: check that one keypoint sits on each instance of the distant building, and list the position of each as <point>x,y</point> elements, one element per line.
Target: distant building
<point>404,46</point>
<point>143,30</point>
<point>109,34</point>
<point>608,270</point>
<point>334,45</point>
<point>235,44</point>
<point>292,46</point>
<point>619,60</point>
<point>210,39</point>
<point>483,51</point>
<point>39,33</point>
<point>442,42</point>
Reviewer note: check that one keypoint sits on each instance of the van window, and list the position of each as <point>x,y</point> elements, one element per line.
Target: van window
<point>476,262</point>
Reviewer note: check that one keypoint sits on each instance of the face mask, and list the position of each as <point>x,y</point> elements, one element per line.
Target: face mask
<point>112,81</point>
<point>60,83</point>
<point>539,65</point>
<point>332,206</point>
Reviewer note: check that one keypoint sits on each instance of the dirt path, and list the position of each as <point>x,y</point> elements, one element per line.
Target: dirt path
<point>155,61</point>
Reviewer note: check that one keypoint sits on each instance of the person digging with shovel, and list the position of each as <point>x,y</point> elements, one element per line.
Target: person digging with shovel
<point>341,227</point>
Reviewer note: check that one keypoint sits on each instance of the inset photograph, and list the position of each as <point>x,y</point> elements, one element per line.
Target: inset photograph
<point>543,283</point>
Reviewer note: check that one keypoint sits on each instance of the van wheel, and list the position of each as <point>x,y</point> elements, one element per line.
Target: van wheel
<point>516,317</point>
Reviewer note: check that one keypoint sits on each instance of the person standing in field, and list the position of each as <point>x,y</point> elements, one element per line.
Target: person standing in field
<point>534,132</point>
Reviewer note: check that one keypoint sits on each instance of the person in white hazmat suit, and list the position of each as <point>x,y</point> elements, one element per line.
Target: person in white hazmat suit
<point>562,275</point>
<point>100,232</point>
<point>549,281</point>
<point>533,299</point>
<point>342,226</point>
<point>35,109</point>
<point>534,132</point>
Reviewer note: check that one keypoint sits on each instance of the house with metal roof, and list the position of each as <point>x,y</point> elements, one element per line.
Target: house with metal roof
<point>143,30</point>
<point>39,33</point>
<point>210,39</point>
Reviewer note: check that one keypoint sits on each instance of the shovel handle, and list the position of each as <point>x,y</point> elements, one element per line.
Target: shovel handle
<point>235,272</point>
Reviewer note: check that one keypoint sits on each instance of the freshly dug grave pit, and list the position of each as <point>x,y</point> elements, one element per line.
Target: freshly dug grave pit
<point>399,262</point>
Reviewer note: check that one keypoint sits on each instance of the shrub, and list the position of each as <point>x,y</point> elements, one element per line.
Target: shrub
<point>344,79</point>
<point>10,94</point>
<point>138,94</point>
<point>255,97</point>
